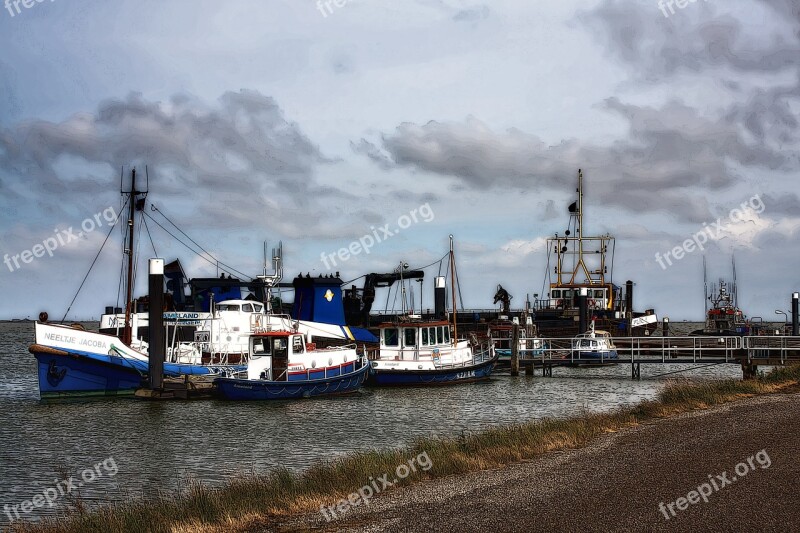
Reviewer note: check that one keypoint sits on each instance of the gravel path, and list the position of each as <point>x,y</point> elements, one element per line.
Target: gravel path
<point>617,483</point>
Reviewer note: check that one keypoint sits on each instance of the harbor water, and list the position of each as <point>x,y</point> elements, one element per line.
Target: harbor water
<point>162,446</point>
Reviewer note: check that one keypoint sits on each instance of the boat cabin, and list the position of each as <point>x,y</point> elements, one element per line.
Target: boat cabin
<point>412,340</point>
<point>272,350</point>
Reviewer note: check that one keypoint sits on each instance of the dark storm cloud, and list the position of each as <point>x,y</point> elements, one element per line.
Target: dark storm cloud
<point>670,155</point>
<point>240,163</point>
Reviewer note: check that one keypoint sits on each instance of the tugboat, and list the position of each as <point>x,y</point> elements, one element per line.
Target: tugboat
<point>724,318</point>
<point>283,367</point>
<point>581,263</point>
<point>417,352</point>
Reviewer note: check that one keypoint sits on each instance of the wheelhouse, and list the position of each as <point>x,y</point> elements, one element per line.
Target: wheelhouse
<point>415,335</point>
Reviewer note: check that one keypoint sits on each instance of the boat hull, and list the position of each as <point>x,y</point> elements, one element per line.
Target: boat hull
<point>256,390</point>
<point>446,376</point>
<point>72,374</point>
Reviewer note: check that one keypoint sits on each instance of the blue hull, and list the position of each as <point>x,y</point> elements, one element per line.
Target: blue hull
<point>448,376</point>
<point>245,389</point>
<point>83,374</point>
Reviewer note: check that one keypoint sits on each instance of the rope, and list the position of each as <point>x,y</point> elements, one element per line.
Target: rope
<point>686,370</point>
<point>215,260</point>
<point>151,237</point>
<point>90,270</point>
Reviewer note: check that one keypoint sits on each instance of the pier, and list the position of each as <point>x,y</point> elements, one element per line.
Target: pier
<point>748,352</point>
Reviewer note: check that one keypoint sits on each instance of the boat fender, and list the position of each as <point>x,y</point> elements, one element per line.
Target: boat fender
<point>43,317</point>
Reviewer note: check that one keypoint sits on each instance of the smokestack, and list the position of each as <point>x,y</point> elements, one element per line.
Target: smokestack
<point>795,317</point>
<point>439,296</point>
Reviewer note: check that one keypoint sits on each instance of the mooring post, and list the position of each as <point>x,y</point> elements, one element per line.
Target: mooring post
<point>795,317</point>
<point>157,337</point>
<point>629,308</point>
<point>583,310</point>
<point>515,350</point>
<point>665,327</point>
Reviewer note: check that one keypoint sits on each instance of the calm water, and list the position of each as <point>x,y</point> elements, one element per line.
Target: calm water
<point>162,445</point>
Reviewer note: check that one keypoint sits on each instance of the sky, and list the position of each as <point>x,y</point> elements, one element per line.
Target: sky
<point>318,124</point>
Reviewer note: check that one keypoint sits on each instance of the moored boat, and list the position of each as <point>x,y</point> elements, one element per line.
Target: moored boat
<point>422,353</point>
<point>283,367</point>
<point>72,362</point>
<point>594,347</point>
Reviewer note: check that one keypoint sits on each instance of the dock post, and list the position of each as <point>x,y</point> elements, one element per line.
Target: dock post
<point>515,350</point>
<point>665,327</point>
<point>157,338</point>
<point>583,310</point>
<point>629,307</point>
<point>795,298</point>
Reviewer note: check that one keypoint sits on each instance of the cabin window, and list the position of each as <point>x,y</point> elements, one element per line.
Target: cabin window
<point>447,334</point>
<point>261,346</point>
<point>258,307</point>
<point>439,335</point>
<point>247,308</point>
<point>390,337</point>
<point>410,336</point>
<point>298,346</point>
<point>599,294</point>
<point>556,293</point>
<point>227,307</point>
<point>424,336</point>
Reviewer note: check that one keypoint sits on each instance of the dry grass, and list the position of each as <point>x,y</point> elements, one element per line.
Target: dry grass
<point>256,501</point>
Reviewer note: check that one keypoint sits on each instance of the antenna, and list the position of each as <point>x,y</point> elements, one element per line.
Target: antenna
<point>735,290</point>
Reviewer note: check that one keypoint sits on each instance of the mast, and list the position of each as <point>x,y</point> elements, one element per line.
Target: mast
<point>705,288</point>
<point>735,290</point>
<point>453,291</point>
<point>579,227</point>
<point>127,336</point>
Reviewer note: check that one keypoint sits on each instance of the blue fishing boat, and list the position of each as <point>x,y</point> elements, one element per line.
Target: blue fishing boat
<point>73,362</point>
<point>283,367</point>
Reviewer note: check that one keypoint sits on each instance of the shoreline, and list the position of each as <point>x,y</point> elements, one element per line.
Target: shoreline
<point>262,502</point>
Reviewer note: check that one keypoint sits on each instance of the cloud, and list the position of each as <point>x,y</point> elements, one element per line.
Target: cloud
<point>671,155</point>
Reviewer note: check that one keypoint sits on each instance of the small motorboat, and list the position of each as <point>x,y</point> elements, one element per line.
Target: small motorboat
<point>594,347</point>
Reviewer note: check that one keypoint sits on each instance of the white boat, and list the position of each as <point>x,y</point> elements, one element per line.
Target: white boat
<point>594,346</point>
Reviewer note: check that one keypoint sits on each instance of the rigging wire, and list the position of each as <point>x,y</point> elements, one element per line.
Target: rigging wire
<point>153,244</point>
<point>213,262</point>
<point>216,261</point>
<point>90,270</point>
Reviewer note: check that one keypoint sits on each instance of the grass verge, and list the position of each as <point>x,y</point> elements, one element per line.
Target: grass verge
<point>259,500</point>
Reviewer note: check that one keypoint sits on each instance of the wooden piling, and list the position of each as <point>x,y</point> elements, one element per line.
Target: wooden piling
<point>515,350</point>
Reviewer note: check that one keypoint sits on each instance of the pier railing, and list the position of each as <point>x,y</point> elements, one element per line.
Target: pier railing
<point>756,349</point>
